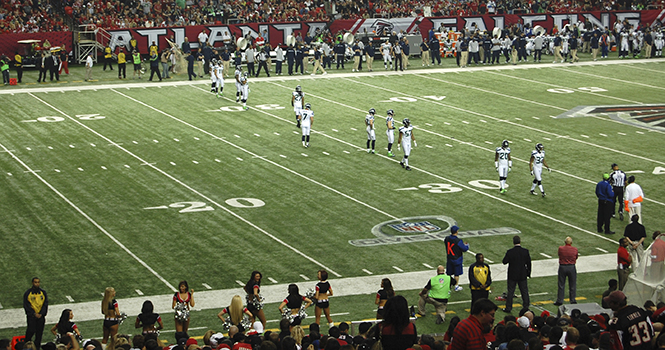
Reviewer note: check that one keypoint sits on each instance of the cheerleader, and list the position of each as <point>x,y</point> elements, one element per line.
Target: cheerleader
<point>111,315</point>
<point>323,292</point>
<point>65,330</point>
<point>293,303</point>
<point>236,313</point>
<point>254,299</point>
<point>183,301</point>
<point>386,292</point>
<point>147,319</point>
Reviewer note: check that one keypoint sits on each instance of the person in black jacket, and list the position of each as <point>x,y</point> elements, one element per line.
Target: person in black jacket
<point>35,304</point>
<point>519,268</point>
<point>290,58</point>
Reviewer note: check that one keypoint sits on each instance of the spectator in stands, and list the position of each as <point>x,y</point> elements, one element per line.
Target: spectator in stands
<point>612,286</point>
<point>468,334</point>
<point>397,331</point>
<point>623,262</point>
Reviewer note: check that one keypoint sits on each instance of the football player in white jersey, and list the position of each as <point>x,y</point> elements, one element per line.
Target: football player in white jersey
<point>244,90</point>
<point>405,137</point>
<point>503,163</point>
<point>536,166</point>
<point>387,51</point>
<point>213,77</point>
<point>219,70</point>
<point>390,132</point>
<point>238,75</point>
<point>306,121</point>
<point>369,126</point>
<point>658,43</point>
<point>297,99</point>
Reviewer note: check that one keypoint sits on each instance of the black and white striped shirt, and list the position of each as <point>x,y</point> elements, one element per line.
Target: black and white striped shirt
<point>618,178</point>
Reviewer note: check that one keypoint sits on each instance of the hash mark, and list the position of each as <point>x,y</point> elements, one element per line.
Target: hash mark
<point>304,155</point>
<point>427,266</point>
<point>545,255</point>
<point>139,292</point>
<point>283,156</point>
<point>585,136</point>
<point>206,286</point>
<point>398,269</point>
<point>602,250</point>
<point>155,141</point>
<point>272,280</point>
<point>69,298</point>
<point>304,277</point>
<point>238,158</point>
<point>172,163</point>
<point>326,153</point>
<point>367,271</point>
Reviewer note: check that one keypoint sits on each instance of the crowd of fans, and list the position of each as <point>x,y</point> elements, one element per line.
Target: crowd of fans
<point>31,16</point>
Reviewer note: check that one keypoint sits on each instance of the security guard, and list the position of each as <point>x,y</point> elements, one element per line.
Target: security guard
<point>108,57</point>
<point>437,293</point>
<point>480,279</point>
<point>18,65</point>
<point>122,65</point>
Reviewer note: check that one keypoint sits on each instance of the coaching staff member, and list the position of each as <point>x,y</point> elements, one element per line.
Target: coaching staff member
<point>605,204</point>
<point>35,304</point>
<point>519,269</point>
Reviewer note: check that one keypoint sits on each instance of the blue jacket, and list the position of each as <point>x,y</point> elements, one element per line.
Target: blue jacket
<point>604,191</point>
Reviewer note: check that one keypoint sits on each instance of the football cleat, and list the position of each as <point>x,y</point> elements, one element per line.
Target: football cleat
<point>390,112</point>
<point>504,144</point>
<point>406,122</point>
<point>372,111</point>
<point>408,168</point>
<point>543,194</point>
<point>390,154</point>
<point>533,193</point>
<point>503,190</point>
<point>539,147</point>
<point>373,152</point>
<point>402,164</point>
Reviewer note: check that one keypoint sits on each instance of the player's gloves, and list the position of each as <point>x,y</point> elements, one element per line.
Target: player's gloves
<point>531,172</point>
<point>549,170</point>
<point>415,144</point>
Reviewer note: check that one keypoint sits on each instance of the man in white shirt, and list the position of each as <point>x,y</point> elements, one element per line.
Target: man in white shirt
<point>88,67</point>
<point>633,198</point>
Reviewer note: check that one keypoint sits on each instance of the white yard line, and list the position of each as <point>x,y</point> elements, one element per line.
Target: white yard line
<point>90,219</point>
<point>191,189</point>
<point>613,79</point>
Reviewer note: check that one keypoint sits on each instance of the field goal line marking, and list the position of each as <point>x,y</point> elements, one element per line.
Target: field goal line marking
<point>90,219</point>
<point>585,92</point>
<point>448,180</point>
<point>512,123</point>
<point>173,178</point>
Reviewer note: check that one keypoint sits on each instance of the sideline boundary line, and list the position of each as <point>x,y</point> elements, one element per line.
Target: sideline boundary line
<point>173,178</point>
<point>91,220</point>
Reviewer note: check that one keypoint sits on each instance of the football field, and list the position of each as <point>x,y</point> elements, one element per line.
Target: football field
<point>141,185</point>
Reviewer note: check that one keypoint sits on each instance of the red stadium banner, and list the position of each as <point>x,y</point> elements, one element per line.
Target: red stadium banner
<point>278,32</point>
<point>489,22</point>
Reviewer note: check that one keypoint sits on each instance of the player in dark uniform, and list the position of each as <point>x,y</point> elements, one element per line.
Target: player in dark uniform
<point>631,323</point>
<point>323,292</point>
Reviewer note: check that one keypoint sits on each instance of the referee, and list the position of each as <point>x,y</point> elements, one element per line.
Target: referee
<point>618,182</point>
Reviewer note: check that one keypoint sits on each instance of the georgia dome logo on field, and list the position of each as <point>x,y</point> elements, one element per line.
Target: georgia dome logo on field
<point>646,116</point>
